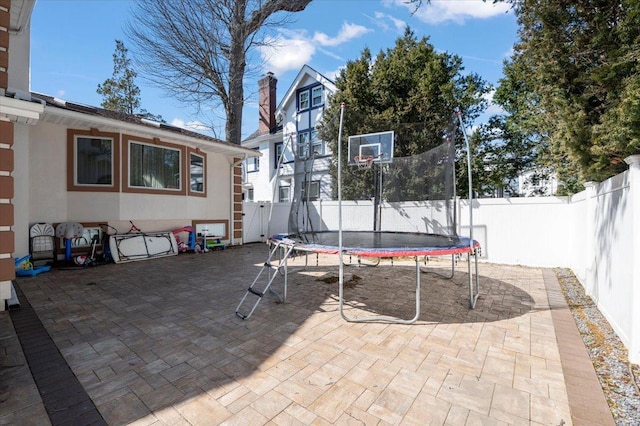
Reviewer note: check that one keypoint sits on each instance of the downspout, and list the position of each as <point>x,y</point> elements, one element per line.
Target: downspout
<point>231,216</point>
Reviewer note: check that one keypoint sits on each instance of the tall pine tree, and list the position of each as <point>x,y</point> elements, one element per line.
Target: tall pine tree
<point>572,85</point>
<point>120,93</point>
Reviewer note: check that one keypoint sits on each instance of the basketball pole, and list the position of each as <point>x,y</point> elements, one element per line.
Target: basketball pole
<point>341,267</point>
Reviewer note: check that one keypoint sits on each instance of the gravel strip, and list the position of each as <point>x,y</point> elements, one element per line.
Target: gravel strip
<point>618,377</point>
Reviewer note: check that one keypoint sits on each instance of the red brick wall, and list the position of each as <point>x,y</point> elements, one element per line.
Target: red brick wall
<point>7,239</point>
<point>237,200</point>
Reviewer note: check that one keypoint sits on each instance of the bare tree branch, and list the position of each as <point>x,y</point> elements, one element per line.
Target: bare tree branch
<point>196,50</point>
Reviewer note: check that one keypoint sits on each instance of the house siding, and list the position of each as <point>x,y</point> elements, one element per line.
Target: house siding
<point>50,201</point>
<point>7,166</point>
<point>294,123</point>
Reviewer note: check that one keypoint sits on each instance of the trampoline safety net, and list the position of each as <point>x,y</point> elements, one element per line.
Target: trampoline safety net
<point>410,195</point>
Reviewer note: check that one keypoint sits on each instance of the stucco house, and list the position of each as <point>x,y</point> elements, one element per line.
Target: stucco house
<point>66,162</point>
<point>290,126</point>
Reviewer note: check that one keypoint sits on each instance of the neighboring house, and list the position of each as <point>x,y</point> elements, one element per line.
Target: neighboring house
<point>66,162</point>
<point>289,128</point>
<point>537,182</point>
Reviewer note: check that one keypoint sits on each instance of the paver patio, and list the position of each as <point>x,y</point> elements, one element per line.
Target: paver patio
<point>157,342</point>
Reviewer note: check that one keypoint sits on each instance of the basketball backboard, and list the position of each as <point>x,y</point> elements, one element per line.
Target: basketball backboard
<point>378,145</point>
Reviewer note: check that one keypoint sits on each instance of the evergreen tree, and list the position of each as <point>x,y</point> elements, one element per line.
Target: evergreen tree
<point>120,92</point>
<point>572,85</point>
<point>410,89</point>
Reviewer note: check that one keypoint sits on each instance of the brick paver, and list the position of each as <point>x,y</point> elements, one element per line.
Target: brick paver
<point>158,342</point>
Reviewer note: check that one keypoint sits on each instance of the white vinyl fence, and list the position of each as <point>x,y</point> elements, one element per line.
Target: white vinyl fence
<point>595,233</point>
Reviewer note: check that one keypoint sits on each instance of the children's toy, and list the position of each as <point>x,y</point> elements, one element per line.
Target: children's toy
<point>68,231</point>
<point>42,243</point>
<point>24,267</point>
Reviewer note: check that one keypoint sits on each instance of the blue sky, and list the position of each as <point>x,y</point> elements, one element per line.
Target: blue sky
<point>72,43</point>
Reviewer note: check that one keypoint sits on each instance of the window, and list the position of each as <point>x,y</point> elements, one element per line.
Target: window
<point>303,144</point>
<point>253,163</point>
<point>94,161</point>
<point>316,96</point>
<point>317,144</point>
<point>314,191</point>
<point>278,148</point>
<point>303,100</point>
<point>283,194</point>
<point>152,166</point>
<point>93,164</point>
<point>196,173</point>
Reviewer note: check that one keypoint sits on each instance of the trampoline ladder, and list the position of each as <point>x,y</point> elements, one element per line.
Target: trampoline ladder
<point>273,273</point>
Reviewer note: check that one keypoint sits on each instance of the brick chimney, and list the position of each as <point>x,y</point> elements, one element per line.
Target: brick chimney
<point>267,104</point>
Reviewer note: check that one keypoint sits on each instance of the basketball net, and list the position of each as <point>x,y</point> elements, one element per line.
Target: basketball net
<point>364,161</point>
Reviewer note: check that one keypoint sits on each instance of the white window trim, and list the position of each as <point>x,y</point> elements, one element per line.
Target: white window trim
<point>303,144</point>
<point>130,185</point>
<point>203,190</point>
<point>314,190</point>
<point>313,90</point>
<point>300,101</point>
<point>288,197</point>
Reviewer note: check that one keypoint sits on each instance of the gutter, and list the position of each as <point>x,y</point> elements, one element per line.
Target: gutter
<point>147,130</point>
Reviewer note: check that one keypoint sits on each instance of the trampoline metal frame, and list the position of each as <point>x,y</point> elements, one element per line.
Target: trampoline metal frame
<point>471,250</point>
<point>474,292</point>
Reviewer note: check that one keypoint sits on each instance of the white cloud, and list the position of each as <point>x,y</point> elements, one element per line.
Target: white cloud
<point>331,75</point>
<point>283,54</point>
<point>383,20</point>
<point>331,54</point>
<point>292,49</point>
<point>438,11</point>
<point>494,109</point>
<point>347,32</point>
<point>60,93</point>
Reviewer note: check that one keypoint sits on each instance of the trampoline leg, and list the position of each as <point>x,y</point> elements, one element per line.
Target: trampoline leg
<point>473,294</point>
<point>448,277</point>
<point>392,320</point>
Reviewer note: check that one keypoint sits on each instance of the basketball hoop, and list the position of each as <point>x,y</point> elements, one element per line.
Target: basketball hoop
<point>364,161</point>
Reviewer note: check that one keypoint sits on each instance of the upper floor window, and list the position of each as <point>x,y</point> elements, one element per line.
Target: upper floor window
<point>303,100</point>
<point>93,161</point>
<point>317,144</point>
<point>310,97</point>
<point>303,144</point>
<point>316,96</point>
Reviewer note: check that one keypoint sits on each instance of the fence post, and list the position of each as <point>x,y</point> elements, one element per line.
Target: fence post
<point>634,191</point>
<point>589,252</point>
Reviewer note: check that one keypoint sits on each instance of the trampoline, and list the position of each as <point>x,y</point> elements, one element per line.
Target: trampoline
<point>426,179</point>
<point>381,244</point>
<point>378,243</point>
